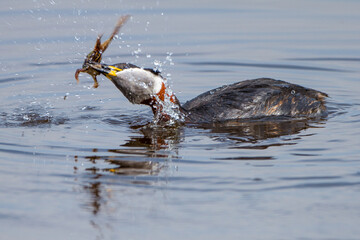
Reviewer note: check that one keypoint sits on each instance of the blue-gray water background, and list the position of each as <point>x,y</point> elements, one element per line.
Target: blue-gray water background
<point>78,162</point>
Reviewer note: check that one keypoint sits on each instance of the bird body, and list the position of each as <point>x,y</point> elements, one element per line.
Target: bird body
<point>257,98</point>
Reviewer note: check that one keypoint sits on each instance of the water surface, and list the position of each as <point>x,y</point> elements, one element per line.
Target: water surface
<point>83,163</point>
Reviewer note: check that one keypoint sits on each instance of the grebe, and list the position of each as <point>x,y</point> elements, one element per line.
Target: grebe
<point>257,98</point>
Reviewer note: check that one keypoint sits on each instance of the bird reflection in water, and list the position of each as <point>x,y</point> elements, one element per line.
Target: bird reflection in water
<point>136,162</point>
<point>255,132</point>
<point>135,166</point>
<point>154,143</point>
<point>148,153</point>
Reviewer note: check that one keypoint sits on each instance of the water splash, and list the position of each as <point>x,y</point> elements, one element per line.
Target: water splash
<point>137,52</point>
<point>168,61</point>
<point>170,109</point>
<point>33,115</point>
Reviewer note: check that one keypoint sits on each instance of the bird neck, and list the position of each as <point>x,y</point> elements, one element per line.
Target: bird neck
<point>164,105</point>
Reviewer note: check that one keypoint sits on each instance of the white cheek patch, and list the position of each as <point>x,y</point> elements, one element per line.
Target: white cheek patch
<point>138,84</point>
<point>142,78</point>
<point>158,81</point>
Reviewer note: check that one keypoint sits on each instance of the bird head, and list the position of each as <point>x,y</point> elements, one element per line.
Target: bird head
<point>139,86</point>
<point>142,86</point>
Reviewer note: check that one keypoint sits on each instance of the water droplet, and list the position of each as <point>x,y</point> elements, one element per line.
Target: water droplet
<point>157,63</point>
<point>137,51</point>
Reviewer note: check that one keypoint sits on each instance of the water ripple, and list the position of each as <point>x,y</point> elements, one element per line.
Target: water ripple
<point>336,59</point>
<point>264,65</point>
<point>247,158</point>
<point>31,116</point>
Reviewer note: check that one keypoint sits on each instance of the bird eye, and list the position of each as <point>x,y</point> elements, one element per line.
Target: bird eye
<point>106,68</point>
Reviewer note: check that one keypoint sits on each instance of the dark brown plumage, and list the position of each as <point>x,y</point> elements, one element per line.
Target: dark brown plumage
<point>257,98</point>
